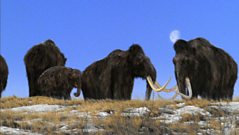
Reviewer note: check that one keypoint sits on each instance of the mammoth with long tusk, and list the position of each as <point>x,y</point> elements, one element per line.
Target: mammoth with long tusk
<point>113,76</point>
<point>209,70</point>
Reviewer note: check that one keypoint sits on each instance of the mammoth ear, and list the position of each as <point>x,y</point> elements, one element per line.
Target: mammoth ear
<point>181,45</point>
<point>71,73</point>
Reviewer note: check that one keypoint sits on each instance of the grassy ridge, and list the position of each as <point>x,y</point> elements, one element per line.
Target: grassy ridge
<point>52,122</point>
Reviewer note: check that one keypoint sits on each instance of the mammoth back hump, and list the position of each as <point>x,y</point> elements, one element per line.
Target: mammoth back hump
<point>218,60</point>
<point>95,68</point>
<point>117,58</point>
<point>106,62</point>
<point>57,74</point>
<point>42,56</point>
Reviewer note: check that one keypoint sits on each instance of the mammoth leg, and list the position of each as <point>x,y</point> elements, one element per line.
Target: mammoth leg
<point>31,83</point>
<point>122,87</point>
<point>189,89</point>
<point>148,92</point>
<point>230,88</point>
<point>67,94</point>
<point>230,93</point>
<point>1,88</point>
<point>118,91</point>
<point>67,97</point>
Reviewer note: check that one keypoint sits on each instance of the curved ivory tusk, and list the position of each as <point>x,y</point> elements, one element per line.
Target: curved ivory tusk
<point>173,98</point>
<point>156,87</point>
<point>76,94</point>
<point>166,90</point>
<point>188,84</point>
<point>152,85</point>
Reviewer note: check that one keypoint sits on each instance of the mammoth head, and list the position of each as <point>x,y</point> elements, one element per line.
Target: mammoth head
<point>184,59</point>
<point>51,44</point>
<point>140,63</point>
<point>142,67</point>
<point>185,63</point>
<point>75,80</point>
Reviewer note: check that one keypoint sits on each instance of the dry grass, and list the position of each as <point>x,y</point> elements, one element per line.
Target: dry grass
<point>10,102</point>
<point>85,106</point>
<point>118,124</point>
<point>199,102</point>
<point>48,122</point>
<point>119,106</point>
<point>184,128</point>
<point>236,99</point>
<point>189,117</point>
<point>215,124</point>
<point>51,122</point>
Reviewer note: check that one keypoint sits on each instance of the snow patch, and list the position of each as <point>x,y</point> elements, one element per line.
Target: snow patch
<point>80,114</point>
<point>38,108</point>
<point>15,131</point>
<point>175,115</point>
<point>103,114</point>
<point>90,128</point>
<point>141,111</point>
<point>192,110</point>
<point>231,107</point>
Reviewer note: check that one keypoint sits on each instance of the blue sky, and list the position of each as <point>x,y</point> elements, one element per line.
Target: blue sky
<point>88,30</point>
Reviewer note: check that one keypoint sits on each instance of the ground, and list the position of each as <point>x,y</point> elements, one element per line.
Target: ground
<point>42,115</point>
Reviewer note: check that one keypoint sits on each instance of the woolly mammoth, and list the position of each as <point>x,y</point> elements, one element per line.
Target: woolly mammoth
<point>3,74</point>
<point>211,72</point>
<point>113,76</point>
<point>58,81</point>
<point>38,59</point>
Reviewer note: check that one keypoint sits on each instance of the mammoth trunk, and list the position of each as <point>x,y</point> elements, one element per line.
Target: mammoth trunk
<point>181,82</point>
<point>184,86</point>
<point>77,94</point>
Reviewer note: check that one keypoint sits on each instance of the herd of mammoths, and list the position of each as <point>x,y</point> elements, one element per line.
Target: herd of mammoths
<point>201,69</point>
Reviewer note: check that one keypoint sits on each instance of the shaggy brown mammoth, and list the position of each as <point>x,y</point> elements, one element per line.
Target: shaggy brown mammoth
<point>58,82</point>
<point>113,76</point>
<point>211,71</point>
<point>39,58</point>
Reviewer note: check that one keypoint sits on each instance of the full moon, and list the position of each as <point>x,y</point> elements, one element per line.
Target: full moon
<point>174,36</point>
